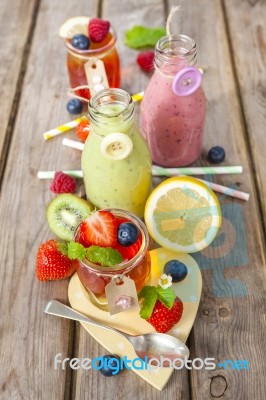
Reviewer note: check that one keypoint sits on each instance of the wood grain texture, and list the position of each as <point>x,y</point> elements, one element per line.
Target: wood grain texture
<point>247,33</point>
<point>16,22</point>
<point>91,385</point>
<point>231,317</point>
<point>29,338</point>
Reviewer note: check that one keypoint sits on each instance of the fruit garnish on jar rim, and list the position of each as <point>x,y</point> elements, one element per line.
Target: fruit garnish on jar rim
<point>160,306</point>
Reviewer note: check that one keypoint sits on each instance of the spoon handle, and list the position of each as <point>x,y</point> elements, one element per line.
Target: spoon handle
<point>54,307</point>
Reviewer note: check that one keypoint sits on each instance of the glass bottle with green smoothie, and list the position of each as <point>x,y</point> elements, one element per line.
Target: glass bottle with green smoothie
<point>116,161</point>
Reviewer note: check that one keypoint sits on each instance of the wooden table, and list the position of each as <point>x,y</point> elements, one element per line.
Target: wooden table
<point>231,321</point>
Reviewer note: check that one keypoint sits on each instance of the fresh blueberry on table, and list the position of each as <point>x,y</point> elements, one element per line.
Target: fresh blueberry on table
<point>74,106</point>
<point>80,42</point>
<point>176,269</point>
<point>216,155</point>
<point>110,365</point>
<point>127,234</point>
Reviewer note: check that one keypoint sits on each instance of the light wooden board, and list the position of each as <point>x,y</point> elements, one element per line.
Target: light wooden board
<point>16,18</point>
<point>247,32</point>
<point>29,338</point>
<point>230,320</point>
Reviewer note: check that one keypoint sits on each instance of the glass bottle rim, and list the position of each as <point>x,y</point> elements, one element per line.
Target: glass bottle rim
<point>168,48</point>
<point>86,54</point>
<point>126,266</point>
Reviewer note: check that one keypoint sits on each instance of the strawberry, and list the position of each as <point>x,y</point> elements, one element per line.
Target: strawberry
<point>129,251</point>
<point>98,29</point>
<point>145,60</point>
<point>163,318</point>
<point>99,229</point>
<point>52,262</point>
<point>83,130</point>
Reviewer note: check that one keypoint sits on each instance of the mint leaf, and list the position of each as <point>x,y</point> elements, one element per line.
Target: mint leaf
<point>166,296</point>
<point>105,256</point>
<point>149,295</point>
<point>140,36</point>
<point>75,250</point>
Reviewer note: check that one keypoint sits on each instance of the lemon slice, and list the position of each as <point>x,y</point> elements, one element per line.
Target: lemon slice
<point>74,25</point>
<point>183,214</point>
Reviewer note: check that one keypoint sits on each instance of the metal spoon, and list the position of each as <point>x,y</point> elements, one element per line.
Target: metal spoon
<point>151,345</point>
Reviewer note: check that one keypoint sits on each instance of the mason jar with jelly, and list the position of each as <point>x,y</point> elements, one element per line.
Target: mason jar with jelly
<point>116,161</point>
<point>95,277</point>
<point>104,51</point>
<point>173,108</point>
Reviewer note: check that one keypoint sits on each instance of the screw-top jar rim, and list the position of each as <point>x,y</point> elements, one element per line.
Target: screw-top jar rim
<point>97,52</point>
<point>173,48</point>
<point>127,266</point>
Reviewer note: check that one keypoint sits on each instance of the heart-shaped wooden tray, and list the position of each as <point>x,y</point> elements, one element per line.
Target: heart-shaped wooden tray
<point>189,291</point>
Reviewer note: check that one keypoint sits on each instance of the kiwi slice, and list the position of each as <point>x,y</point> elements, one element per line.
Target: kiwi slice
<point>65,213</point>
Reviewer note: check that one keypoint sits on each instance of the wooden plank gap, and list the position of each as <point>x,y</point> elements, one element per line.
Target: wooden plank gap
<point>244,120</point>
<point>99,8</point>
<point>70,373</point>
<point>15,104</point>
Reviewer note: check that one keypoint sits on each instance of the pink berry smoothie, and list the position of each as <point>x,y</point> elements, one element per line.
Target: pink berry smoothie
<point>173,125</point>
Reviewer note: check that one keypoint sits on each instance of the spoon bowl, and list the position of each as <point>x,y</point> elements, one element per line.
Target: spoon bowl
<point>147,346</point>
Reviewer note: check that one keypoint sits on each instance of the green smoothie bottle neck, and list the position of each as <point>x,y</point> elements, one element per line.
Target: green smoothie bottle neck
<point>111,111</point>
<point>175,52</point>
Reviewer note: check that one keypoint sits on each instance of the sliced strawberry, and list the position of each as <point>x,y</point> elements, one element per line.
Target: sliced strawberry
<point>130,251</point>
<point>83,129</point>
<point>99,229</point>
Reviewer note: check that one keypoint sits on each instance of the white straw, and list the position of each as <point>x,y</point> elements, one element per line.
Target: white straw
<point>214,186</point>
<point>159,171</point>
<point>74,144</point>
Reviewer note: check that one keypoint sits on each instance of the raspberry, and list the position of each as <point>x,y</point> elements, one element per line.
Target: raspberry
<point>62,183</point>
<point>98,29</point>
<point>145,60</point>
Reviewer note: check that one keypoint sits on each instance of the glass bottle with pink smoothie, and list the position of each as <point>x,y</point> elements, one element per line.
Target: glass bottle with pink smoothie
<point>173,108</point>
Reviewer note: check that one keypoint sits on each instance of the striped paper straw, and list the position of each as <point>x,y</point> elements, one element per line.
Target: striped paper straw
<point>61,129</point>
<point>137,96</point>
<point>74,144</point>
<point>214,186</point>
<point>159,171</point>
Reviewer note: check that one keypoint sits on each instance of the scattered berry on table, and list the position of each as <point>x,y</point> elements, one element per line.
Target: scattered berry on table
<point>163,318</point>
<point>80,42</point>
<point>176,269</point>
<point>99,229</point>
<point>145,60</point>
<point>98,29</point>
<point>63,183</point>
<point>127,234</point>
<point>83,129</point>
<point>216,155</point>
<point>52,263</point>
<point>74,106</point>
<point>110,365</point>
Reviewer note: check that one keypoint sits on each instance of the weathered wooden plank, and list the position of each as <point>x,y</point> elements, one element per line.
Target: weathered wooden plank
<point>30,339</point>
<point>230,319</point>
<point>91,385</point>
<point>16,22</point>
<point>247,33</point>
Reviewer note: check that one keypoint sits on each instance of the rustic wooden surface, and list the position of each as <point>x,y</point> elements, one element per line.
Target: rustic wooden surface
<point>230,324</point>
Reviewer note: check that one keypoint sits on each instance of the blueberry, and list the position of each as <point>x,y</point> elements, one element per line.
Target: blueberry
<point>176,269</point>
<point>127,234</point>
<point>110,365</point>
<point>216,155</point>
<point>80,42</point>
<point>74,106</point>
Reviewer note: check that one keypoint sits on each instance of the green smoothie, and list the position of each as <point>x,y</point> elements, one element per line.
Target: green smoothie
<point>116,161</point>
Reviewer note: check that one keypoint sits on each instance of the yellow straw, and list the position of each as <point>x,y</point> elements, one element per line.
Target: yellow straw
<point>61,129</point>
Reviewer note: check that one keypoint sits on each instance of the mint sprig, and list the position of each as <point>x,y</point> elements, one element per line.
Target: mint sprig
<point>150,294</point>
<point>105,256</point>
<point>140,36</point>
